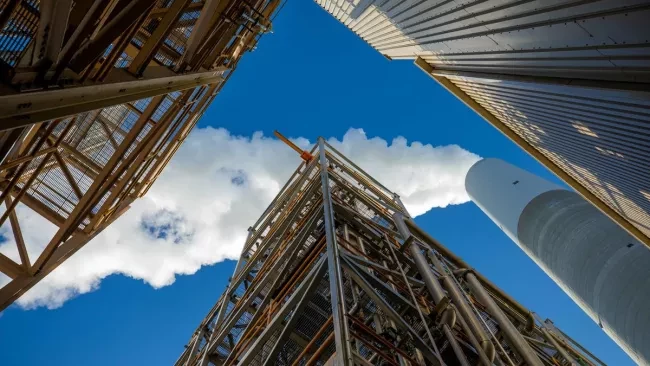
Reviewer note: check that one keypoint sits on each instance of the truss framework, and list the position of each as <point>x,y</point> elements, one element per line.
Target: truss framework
<point>335,272</point>
<point>97,96</point>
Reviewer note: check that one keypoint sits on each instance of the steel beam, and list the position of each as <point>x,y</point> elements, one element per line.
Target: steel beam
<point>430,354</point>
<point>25,109</point>
<point>341,332</point>
<point>152,44</point>
<point>9,7</point>
<point>296,300</point>
<point>198,32</point>
<point>81,31</point>
<point>568,81</point>
<point>18,237</point>
<point>52,25</point>
<point>289,326</point>
<point>274,272</point>
<point>9,267</point>
<point>68,175</point>
<point>12,291</point>
<point>124,16</point>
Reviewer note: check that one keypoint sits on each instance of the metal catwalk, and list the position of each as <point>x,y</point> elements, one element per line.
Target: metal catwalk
<point>336,272</point>
<point>95,99</point>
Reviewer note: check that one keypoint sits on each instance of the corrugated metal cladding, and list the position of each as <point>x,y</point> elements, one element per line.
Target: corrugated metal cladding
<point>600,137</point>
<point>593,39</point>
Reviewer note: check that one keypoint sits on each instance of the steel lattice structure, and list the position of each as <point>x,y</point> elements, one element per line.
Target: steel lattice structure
<point>95,98</point>
<point>335,272</point>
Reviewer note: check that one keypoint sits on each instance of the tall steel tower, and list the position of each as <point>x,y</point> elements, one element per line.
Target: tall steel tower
<point>95,99</point>
<point>567,81</point>
<point>335,272</point>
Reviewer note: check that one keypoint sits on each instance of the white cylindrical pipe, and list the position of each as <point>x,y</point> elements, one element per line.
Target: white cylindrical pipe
<point>599,265</point>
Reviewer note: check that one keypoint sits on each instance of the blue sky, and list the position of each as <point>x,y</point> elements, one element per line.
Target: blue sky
<point>310,77</point>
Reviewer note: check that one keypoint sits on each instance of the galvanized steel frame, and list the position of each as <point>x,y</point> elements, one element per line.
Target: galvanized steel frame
<point>328,275</point>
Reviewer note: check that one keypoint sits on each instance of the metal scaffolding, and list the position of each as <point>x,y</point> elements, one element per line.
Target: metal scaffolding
<point>336,272</point>
<point>95,99</point>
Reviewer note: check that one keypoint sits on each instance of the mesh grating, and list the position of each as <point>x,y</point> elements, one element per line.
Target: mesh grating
<point>19,30</point>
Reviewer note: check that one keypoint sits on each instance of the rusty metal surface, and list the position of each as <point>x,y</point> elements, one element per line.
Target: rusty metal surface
<point>77,161</point>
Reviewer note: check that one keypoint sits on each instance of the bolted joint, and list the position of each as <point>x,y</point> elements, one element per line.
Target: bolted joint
<point>462,272</point>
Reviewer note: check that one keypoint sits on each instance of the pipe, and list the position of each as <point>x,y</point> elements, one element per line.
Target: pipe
<point>454,292</point>
<point>485,358</point>
<point>428,277</point>
<point>460,263</point>
<point>320,350</point>
<point>434,287</point>
<point>448,315</point>
<point>311,343</point>
<point>549,337</point>
<point>454,345</point>
<point>513,335</point>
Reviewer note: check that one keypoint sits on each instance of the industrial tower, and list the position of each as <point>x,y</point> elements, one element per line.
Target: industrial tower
<point>95,98</point>
<point>335,272</point>
<point>567,81</point>
<point>599,265</point>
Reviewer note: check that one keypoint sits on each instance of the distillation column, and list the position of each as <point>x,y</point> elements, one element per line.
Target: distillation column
<point>599,265</point>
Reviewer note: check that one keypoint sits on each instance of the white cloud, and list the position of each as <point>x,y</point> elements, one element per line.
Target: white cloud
<point>216,186</point>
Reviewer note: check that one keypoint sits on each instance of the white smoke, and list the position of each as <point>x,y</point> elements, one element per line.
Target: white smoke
<point>216,186</point>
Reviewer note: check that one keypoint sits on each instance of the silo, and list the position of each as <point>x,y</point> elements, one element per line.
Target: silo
<point>599,265</point>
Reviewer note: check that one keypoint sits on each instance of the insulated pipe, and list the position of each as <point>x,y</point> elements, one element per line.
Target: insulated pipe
<point>557,346</point>
<point>448,316</point>
<point>425,271</point>
<point>463,308</point>
<point>421,263</point>
<point>460,263</point>
<point>437,292</point>
<point>460,354</point>
<point>472,339</point>
<point>513,335</point>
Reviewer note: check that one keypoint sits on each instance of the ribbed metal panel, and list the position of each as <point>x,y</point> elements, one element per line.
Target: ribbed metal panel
<point>600,137</point>
<point>592,39</point>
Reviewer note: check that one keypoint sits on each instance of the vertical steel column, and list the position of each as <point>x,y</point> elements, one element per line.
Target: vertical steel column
<point>354,289</point>
<point>343,354</point>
